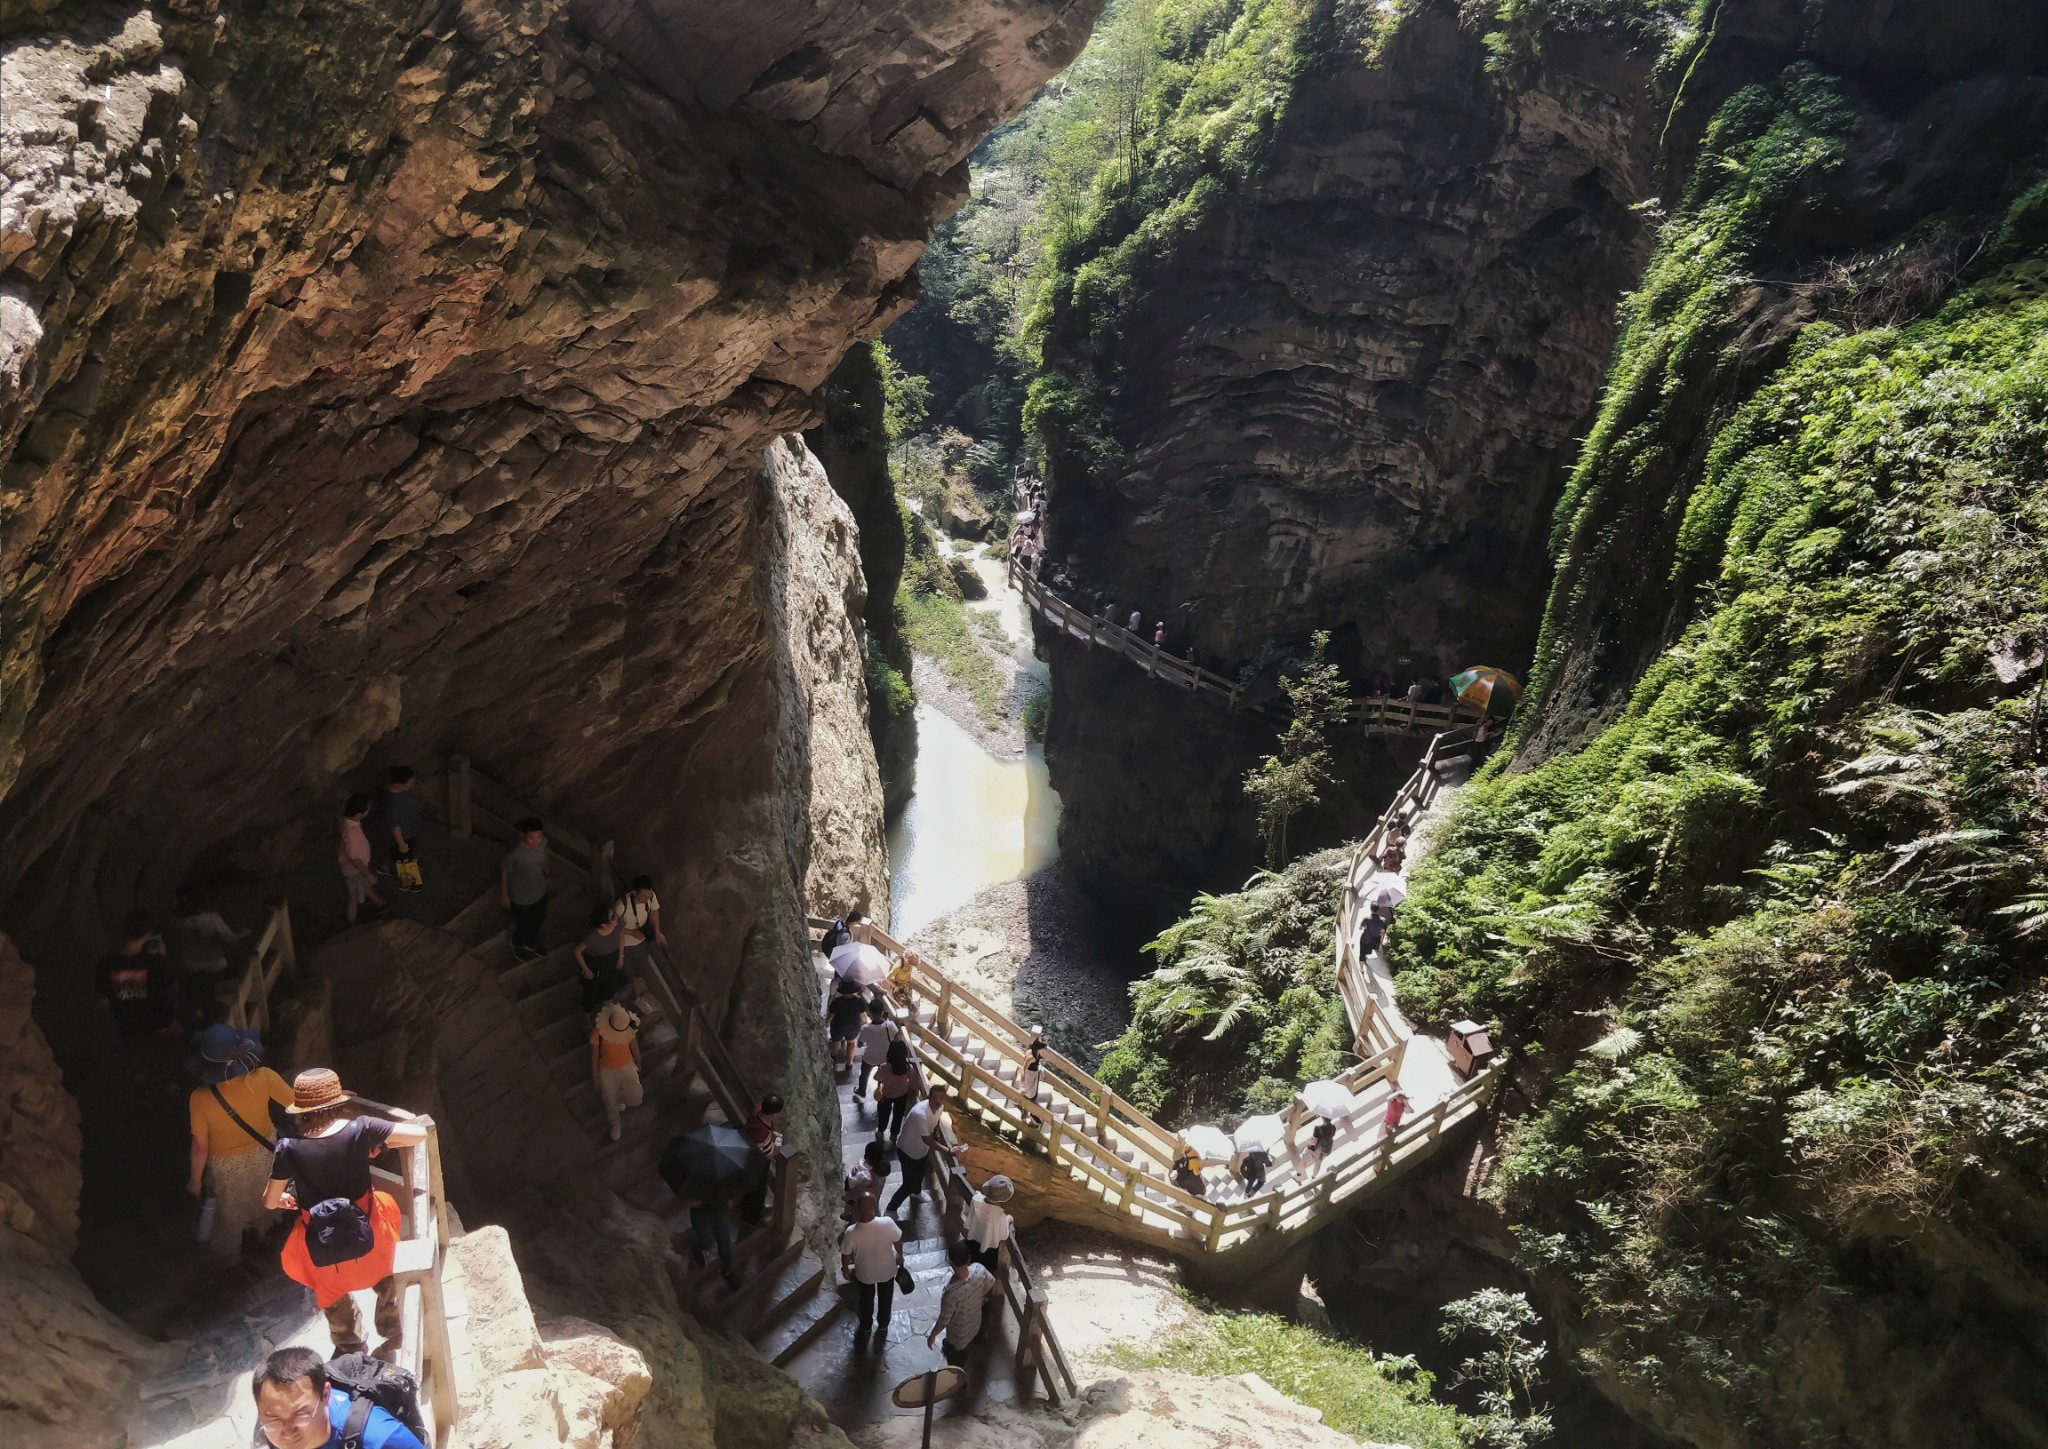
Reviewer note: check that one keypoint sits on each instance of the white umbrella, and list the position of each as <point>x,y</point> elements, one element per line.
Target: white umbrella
<point>1386,889</point>
<point>1326,1099</point>
<point>1259,1134</point>
<point>1211,1144</point>
<point>860,963</point>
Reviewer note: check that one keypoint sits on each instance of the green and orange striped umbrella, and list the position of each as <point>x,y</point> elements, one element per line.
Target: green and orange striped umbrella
<point>1493,690</point>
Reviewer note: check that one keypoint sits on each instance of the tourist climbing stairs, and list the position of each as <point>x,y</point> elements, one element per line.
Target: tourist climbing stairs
<point>1122,1159</point>
<point>687,1076</point>
<point>1020,1342</point>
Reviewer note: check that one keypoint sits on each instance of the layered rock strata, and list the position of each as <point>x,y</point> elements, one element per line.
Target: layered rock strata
<point>1345,403</point>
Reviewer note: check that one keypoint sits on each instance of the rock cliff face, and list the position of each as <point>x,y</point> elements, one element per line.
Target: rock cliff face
<point>394,381</point>
<point>1346,403</point>
<point>70,1363</point>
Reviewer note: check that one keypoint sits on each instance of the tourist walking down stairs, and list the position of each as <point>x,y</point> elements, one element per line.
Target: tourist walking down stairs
<point>232,1136</point>
<point>358,875</point>
<point>299,1407</point>
<point>523,882</point>
<point>615,1063</point>
<point>346,1234</point>
<point>923,1134</point>
<point>402,820</point>
<point>639,913</point>
<point>870,1257</point>
<point>960,1306</point>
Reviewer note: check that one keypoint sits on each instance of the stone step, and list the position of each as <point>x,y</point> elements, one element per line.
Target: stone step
<point>549,1007</point>
<point>796,1330</point>
<point>771,1293</point>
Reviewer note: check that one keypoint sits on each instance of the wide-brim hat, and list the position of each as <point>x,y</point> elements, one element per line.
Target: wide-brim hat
<point>997,1189</point>
<point>220,1054</point>
<point>316,1089</point>
<point>616,1023</point>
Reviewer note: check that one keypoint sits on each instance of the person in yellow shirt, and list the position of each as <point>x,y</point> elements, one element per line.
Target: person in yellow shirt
<point>231,1133</point>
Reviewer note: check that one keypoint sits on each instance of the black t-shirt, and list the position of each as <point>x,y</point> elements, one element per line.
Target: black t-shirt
<point>335,1166</point>
<point>134,987</point>
<point>849,1010</point>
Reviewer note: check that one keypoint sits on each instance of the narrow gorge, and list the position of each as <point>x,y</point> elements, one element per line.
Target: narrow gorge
<point>731,434</point>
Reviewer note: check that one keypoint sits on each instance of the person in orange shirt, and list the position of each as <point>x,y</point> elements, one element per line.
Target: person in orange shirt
<point>615,1063</point>
<point>232,1136</point>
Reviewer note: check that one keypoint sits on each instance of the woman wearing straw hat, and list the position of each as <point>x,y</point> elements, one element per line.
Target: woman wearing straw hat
<point>231,1132</point>
<point>615,1063</point>
<point>347,1231</point>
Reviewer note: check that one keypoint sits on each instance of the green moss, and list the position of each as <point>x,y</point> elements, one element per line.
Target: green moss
<point>1788,883</point>
<point>1243,1005</point>
<point>946,630</point>
<point>1380,1400</point>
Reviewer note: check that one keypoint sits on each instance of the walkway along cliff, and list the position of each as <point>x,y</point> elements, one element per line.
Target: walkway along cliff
<point>1082,1154</point>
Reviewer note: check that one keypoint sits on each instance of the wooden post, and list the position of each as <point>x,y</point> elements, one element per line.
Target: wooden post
<point>1123,1201</point>
<point>1034,1304</point>
<point>287,948</point>
<point>1152,663</point>
<point>1102,1101</point>
<point>460,823</point>
<point>944,1020</point>
<point>1233,696</point>
<point>1215,1228</point>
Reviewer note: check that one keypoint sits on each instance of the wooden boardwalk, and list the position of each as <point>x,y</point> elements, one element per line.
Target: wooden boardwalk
<point>1121,1160</point>
<point>1376,716</point>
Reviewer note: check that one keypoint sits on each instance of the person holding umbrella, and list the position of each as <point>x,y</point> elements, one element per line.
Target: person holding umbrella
<point>707,1167</point>
<point>1254,1141</point>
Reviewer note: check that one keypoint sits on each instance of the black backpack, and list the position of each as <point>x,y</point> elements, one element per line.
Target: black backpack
<point>370,1382</point>
<point>836,935</point>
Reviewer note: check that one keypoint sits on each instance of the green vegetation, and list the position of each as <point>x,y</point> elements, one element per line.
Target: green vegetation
<point>1506,1372</point>
<point>1291,781</point>
<point>1765,939</point>
<point>961,641</point>
<point>1037,710</point>
<point>1243,1006</point>
<point>1381,1400</point>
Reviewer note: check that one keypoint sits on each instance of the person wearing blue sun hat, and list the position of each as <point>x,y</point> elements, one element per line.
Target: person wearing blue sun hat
<point>231,1133</point>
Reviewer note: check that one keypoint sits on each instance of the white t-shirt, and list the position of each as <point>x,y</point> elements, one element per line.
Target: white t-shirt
<point>635,914</point>
<point>874,1039</point>
<point>987,1225</point>
<point>872,1246</point>
<point>919,1123</point>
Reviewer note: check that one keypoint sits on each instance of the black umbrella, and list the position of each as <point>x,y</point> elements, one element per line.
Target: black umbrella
<point>712,1163</point>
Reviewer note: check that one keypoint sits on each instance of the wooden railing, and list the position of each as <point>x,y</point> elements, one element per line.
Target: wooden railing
<point>1083,1127</point>
<point>1038,1346</point>
<point>427,1347</point>
<point>700,1048</point>
<point>273,958</point>
<point>1376,1022</point>
<point>1378,715</point>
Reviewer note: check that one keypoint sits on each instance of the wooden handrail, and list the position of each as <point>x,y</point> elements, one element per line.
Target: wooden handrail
<point>270,960</point>
<point>427,1350</point>
<point>1377,715</point>
<point>1140,1190</point>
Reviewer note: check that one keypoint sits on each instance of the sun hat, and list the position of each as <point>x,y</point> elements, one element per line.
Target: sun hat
<point>616,1023</point>
<point>220,1054</point>
<point>997,1189</point>
<point>315,1090</point>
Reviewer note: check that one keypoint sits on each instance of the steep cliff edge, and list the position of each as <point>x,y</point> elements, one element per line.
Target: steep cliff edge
<point>395,381</point>
<point>1341,397</point>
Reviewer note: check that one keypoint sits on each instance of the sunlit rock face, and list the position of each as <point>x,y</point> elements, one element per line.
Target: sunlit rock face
<point>394,380</point>
<point>1346,406</point>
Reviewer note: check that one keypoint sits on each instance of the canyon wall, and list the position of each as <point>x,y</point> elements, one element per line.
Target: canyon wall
<point>1344,402</point>
<point>392,381</point>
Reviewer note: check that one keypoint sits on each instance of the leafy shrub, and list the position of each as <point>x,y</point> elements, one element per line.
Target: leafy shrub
<point>1378,1399</point>
<point>1762,933</point>
<point>1243,1005</point>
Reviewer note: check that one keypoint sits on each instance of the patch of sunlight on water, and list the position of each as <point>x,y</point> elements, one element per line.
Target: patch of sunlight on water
<point>973,821</point>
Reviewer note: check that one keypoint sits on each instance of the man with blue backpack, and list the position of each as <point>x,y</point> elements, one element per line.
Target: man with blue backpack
<point>353,1403</point>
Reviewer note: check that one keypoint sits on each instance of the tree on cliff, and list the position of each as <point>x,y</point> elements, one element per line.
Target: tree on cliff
<point>1287,783</point>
